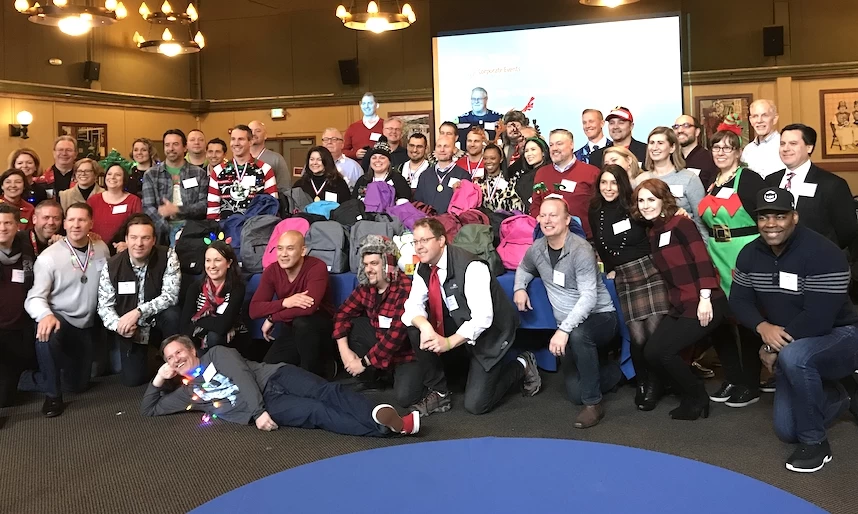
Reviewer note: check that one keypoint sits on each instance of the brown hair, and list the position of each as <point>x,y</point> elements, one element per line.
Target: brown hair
<point>32,153</point>
<point>729,137</point>
<point>676,157</point>
<point>153,153</point>
<point>433,225</point>
<point>178,338</point>
<point>660,190</point>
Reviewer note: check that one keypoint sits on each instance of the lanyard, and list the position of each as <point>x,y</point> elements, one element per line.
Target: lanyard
<point>259,157</point>
<point>34,243</point>
<point>444,172</point>
<point>321,188</point>
<point>475,167</point>
<point>84,264</point>
<point>494,187</point>
<point>240,177</point>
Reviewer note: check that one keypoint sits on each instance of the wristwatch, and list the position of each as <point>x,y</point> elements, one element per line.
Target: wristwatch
<point>365,362</point>
<point>768,349</point>
<point>705,294</point>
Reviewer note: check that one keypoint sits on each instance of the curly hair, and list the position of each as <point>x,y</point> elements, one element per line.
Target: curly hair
<point>659,190</point>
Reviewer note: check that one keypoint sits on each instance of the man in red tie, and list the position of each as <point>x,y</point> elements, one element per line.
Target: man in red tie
<point>457,306</point>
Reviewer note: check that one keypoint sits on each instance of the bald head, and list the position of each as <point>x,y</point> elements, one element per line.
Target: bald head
<point>258,134</point>
<point>332,139</point>
<point>444,149</point>
<point>290,251</point>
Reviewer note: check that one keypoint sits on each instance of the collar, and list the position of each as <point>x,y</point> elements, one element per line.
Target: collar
<point>445,169</point>
<point>602,143</point>
<point>342,158</point>
<point>566,168</point>
<point>768,139</point>
<point>801,171</point>
<point>442,262</point>
<point>423,164</point>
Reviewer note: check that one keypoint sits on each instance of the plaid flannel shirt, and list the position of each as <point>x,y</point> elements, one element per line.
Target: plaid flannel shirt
<point>393,346</point>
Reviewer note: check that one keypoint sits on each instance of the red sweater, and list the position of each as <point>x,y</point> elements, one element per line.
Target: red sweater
<point>585,177</point>
<point>26,210</point>
<point>357,136</point>
<point>312,278</point>
<point>108,217</point>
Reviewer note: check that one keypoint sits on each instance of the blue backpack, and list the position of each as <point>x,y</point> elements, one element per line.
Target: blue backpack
<point>261,205</point>
<point>322,208</point>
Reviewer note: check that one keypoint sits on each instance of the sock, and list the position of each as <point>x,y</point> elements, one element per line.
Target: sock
<point>522,361</point>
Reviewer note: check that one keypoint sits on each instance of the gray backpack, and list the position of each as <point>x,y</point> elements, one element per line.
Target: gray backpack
<point>254,239</point>
<point>329,241</point>
<point>363,228</point>
<point>297,200</point>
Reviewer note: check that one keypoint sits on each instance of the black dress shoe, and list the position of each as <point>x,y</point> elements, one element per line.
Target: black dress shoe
<point>639,394</point>
<point>52,407</point>
<point>652,393</point>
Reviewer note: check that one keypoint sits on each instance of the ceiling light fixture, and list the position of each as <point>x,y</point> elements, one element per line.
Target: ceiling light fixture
<point>607,3</point>
<point>71,18</point>
<point>164,42</point>
<point>375,19</point>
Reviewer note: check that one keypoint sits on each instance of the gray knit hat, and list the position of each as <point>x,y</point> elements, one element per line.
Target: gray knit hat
<point>379,245</point>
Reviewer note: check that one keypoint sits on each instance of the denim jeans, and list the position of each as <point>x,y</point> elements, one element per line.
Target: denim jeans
<point>65,362</point>
<point>808,397</point>
<point>595,375</point>
<point>136,369</point>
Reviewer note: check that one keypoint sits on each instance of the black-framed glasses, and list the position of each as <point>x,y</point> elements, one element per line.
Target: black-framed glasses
<point>684,125</point>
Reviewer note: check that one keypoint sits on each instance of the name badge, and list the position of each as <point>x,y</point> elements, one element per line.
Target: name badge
<point>501,183</point>
<point>622,226</point>
<point>568,185</point>
<point>696,171</point>
<point>451,302</point>
<point>664,239</point>
<point>384,322</point>
<point>374,136</point>
<point>190,182</point>
<point>248,181</point>
<point>559,278</point>
<point>210,372</point>
<point>389,182</point>
<point>479,173</point>
<point>127,288</point>
<point>18,276</point>
<point>330,197</point>
<point>807,189</point>
<point>677,191</point>
<point>490,125</point>
<point>725,193</point>
<point>452,181</point>
<point>788,281</point>
<point>120,209</point>
<point>222,308</point>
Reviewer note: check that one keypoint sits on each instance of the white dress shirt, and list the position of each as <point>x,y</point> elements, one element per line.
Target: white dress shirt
<point>477,284</point>
<point>602,143</point>
<point>349,169</point>
<point>797,184</point>
<point>764,156</point>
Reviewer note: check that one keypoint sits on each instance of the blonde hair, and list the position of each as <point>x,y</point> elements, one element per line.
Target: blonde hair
<point>95,166</point>
<point>26,151</point>
<point>65,138</point>
<point>634,168</point>
<point>153,153</point>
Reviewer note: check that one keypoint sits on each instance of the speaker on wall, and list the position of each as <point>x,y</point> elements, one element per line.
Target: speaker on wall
<point>349,72</point>
<point>91,70</point>
<point>773,41</point>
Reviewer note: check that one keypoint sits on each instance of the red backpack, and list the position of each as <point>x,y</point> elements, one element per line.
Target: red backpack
<point>451,223</point>
<point>467,196</point>
<point>474,217</point>
<point>516,236</point>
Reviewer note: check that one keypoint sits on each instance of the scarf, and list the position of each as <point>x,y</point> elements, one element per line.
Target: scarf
<point>211,301</point>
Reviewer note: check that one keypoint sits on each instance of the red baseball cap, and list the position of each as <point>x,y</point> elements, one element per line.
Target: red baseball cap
<point>622,113</point>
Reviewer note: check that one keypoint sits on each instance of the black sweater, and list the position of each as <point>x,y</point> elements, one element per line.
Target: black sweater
<point>219,323</point>
<point>611,248</point>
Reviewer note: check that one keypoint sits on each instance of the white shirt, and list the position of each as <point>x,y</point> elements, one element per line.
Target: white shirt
<point>477,284</point>
<point>764,156</point>
<point>564,169</point>
<point>602,143</point>
<point>412,175</point>
<point>797,187</point>
<point>349,169</point>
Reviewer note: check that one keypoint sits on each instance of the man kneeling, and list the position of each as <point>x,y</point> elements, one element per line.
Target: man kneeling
<point>224,384</point>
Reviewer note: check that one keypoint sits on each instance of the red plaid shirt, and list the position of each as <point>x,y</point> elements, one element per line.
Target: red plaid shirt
<point>684,263</point>
<point>393,346</point>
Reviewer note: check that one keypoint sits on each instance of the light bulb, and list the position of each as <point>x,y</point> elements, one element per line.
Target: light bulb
<point>22,5</point>
<point>73,26</point>
<point>165,7</point>
<point>612,3</point>
<point>61,3</point>
<point>110,5</point>
<point>85,16</point>
<point>144,10</point>
<point>341,11</point>
<point>138,38</point>
<point>192,12</point>
<point>377,25</point>
<point>170,49</point>
<point>121,11</point>
<point>412,17</point>
<point>24,118</point>
<point>372,8</point>
<point>167,36</point>
<point>406,10</point>
<point>200,40</point>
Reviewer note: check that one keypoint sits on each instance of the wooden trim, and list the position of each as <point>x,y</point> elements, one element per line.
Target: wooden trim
<point>838,167</point>
<point>770,73</point>
<point>93,97</point>
<point>322,100</point>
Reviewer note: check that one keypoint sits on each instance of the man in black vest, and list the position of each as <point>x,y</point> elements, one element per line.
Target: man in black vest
<point>138,290</point>
<point>442,313</point>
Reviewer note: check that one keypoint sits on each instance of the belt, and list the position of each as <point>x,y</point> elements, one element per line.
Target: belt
<point>724,234</point>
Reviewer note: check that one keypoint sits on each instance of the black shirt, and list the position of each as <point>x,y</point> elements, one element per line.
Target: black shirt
<point>623,247</point>
<point>701,159</point>
<point>750,184</point>
<point>554,255</point>
<point>61,182</point>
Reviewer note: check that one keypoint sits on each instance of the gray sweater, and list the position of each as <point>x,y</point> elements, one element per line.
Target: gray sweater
<point>692,194</point>
<point>57,288</point>
<point>282,173</point>
<point>582,292</point>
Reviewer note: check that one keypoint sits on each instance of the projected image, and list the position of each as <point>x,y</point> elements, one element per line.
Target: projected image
<point>551,75</point>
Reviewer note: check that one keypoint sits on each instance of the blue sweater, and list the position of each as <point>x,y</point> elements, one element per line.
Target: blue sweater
<point>811,305</point>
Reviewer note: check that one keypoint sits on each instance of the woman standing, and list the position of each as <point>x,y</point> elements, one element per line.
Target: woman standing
<point>380,171</point>
<point>145,156</point>
<point>623,246</point>
<point>213,303</point>
<point>14,183</point>
<point>321,179</point>
<point>472,161</point>
<point>112,207</point>
<point>86,172</point>
<point>726,212</point>
<point>27,160</point>
<point>697,304</point>
<point>667,164</point>
<point>498,193</point>
<point>521,175</point>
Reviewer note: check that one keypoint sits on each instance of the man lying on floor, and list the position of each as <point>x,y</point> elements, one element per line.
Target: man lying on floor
<point>224,384</point>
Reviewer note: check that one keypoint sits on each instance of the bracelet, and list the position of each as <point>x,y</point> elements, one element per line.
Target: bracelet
<point>448,343</point>
<point>768,349</point>
<point>365,361</point>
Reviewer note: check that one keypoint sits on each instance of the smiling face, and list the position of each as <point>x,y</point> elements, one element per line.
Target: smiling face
<point>686,132</point>
<point>8,229</point>
<point>140,240</point>
<point>560,148</point>
<point>317,167</point>
<point>620,129</point>
<point>659,148</point>
<point>65,153</point>
<point>416,149</point>
<point>373,266</point>
<point>78,224</point>
<point>776,227</point>
<point>479,99</point>
<point>592,124</point>
<point>428,247</point>
<point>239,141</point>
<point>615,158</point>
<point>474,144</point>
<point>553,217</point>
<point>393,131</point>
<point>533,153</point>
<point>25,163</point>
<point>333,141</point>
<point>174,149</point>
<point>216,265</point>
<point>13,187</point>
<point>85,175</point>
<point>491,162</point>
<point>258,133</point>
<point>794,151</point>
<point>444,149</point>
<point>763,118</point>
<point>181,358</point>
<point>608,187</point>
<point>140,153</point>
<point>47,221</point>
<point>368,106</point>
<point>114,178</point>
<point>290,250</point>
<point>648,204</point>
<point>215,153</point>
<point>379,163</point>
<point>726,157</point>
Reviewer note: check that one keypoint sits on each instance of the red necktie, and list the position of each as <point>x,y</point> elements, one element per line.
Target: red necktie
<point>436,309</point>
<point>788,185</point>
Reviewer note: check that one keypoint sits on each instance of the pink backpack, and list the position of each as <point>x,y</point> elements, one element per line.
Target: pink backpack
<point>516,236</point>
<point>299,224</point>
<point>467,196</point>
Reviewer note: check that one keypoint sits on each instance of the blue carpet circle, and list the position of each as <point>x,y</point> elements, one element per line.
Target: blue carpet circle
<point>500,475</point>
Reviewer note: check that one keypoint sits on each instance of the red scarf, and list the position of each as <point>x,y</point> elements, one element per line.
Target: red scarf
<point>211,301</point>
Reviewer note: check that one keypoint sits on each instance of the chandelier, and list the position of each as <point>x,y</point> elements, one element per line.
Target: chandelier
<point>72,19</point>
<point>375,20</point>
<point>165,42</point>
<point>607,3</point>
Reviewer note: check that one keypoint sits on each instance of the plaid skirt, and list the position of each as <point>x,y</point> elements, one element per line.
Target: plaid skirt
<point>641,289</point>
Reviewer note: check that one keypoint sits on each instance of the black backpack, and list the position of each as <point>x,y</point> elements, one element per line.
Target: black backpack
<point>349,212</point>
<point>191,246</point>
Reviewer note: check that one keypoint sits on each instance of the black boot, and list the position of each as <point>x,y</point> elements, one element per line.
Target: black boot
<point>652,393</point>
<point>640,393</point>
<point>694,404</point>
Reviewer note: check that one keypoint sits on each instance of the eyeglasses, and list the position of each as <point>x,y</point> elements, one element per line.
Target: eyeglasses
<point>84,172</point>
<point>331,139</point>
<point>685,126</point>
<point>722,149</point>
<point>423,241</point>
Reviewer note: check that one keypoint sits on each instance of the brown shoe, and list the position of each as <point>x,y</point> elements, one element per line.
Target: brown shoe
<point>589,416</point>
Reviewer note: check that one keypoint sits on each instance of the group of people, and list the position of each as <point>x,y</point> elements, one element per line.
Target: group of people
<point>740,249</point>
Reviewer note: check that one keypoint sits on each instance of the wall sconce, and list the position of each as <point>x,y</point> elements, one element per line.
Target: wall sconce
<point>20,130</point>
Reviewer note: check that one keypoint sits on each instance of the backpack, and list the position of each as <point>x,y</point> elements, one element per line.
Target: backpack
<point>263,204</point>
<point>231,228</point>
<point>255,235</point>
<point>311,218</point>
<point>495,220</point>
<point>451,223</point>
<point>349,212</point>
<point>359,231</point>
<point>426,209</point>
<point>478,240</point>
<point>474,217</point>
<point>380,196</point>
<point>408,260</point>
<point>322,208</point>
<point>329,242</point>
<point>574,227</point>
<point>516,238</point>
<point>191,247</point>
<point>297,200</point>
<point>296,223</point>
<point>467,196</point>
<point>407,214</point>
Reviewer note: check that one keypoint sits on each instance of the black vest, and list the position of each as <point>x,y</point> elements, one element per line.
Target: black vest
<point>119,269</point>
<point>496,340</point>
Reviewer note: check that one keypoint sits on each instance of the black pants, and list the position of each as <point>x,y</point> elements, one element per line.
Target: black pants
<point>672,336</point>
<point>305,342</point>
<point>65,362</point>
<point>17,353</point>
<point>407,382</point>
<point>137,367</point>
<point>738,349</point>
<point>483,390</point>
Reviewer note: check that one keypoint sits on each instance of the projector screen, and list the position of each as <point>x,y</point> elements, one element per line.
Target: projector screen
<point>554,73</point>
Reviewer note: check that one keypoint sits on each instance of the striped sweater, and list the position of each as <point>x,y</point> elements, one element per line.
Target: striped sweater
<point>232,186</point>
<point>804,289</point>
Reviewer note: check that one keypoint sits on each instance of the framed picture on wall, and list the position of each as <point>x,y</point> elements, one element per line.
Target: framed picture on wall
<point>838,110</point>
<point>714,110</point>
<point>91,138</point>
<point>417,121</point>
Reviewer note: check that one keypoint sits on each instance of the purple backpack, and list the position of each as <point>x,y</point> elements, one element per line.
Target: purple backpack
<point>407,214</point>
<point>380,196</point>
